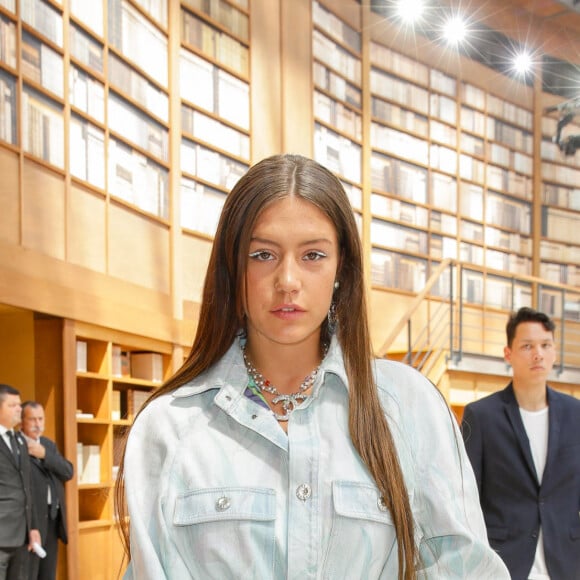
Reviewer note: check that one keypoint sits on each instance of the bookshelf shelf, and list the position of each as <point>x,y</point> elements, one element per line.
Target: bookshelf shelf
<point>110,376</point>
<point>93,486</point>
<point>453,159</point>
<point>92,524</point>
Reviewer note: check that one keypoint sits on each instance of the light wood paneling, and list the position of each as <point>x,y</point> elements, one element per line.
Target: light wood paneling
<point>138,249</point>
<point>48,375</point>
<point>33,281</point>
<point>266,81</point>
<point>95,555</point>
<point>43,210</point>
<point>9,198</point>
<point>196,254</point>
<point>86,229</point>
<point>17,351</point>
<point>297,109</point>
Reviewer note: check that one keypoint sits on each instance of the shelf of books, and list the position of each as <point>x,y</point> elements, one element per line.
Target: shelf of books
<point>215,108</point>
<point>451,177</point>
<point>109,380</point>
<point>559,243</point>
<point>337,98</point>
<point>414,195</point>
<point>90,99</point>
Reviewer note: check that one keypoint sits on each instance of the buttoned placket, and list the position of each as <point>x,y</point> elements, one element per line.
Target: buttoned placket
<point>301,443</point>
<point>303,495</point>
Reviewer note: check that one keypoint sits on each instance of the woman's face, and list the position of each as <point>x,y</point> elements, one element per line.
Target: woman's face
<point>292,266</point>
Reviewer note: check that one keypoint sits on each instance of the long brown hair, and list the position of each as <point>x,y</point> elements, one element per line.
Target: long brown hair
<point>222,315</point>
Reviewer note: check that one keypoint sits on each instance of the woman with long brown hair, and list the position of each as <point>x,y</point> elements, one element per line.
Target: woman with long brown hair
<point>281,448</point>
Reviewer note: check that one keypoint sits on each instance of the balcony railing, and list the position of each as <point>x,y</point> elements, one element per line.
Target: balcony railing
<point>458,321</point>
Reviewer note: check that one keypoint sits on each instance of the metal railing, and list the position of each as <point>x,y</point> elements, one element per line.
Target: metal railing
<point>462,312</point>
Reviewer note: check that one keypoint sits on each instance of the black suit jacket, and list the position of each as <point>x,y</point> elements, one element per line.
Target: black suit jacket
<point>16,516</point>
<point>52,471</point>
<point>514,503</point>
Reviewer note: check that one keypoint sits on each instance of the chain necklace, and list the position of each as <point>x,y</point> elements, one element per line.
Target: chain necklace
<point>292,400</point>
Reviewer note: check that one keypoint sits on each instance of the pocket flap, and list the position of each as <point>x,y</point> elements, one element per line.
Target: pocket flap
<point>361,501</point>
<point>225,503</point>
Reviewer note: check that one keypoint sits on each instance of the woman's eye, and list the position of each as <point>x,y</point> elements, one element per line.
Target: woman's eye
<point>313,256</point>
<point>261,255</point>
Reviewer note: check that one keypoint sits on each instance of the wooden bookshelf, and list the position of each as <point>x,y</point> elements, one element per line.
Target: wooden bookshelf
<point>102,396</point>
<point>560,211</point>
<point>337,96</point>
<point>459,159</point>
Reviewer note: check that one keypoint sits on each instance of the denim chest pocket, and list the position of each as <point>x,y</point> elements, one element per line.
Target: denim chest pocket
<point>226,532</point>
<point>362,534</point>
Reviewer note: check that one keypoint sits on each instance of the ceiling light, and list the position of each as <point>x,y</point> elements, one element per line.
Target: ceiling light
<point>522,63</point>
<point>410,11</point>
<point>455,30</point>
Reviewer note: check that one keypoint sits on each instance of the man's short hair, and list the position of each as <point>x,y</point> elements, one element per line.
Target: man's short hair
<point>30,404</point>
<point>527,314</point>
<point>7,390</point>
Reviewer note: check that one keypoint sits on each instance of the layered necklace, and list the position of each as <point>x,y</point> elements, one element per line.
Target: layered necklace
<point>292,400</point>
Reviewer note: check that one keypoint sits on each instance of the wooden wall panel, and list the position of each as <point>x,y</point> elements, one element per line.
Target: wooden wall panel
<point>17,351</point>
<point>196,253</point>
<point>33,281</point>
<point>9,199</point>
<point>297,87</point>
<point>138,249</point>
<point>48,371</point>
<point>266,80</point>
<point>95,554</point>
<point>43,210</point>
<point>86,226</point>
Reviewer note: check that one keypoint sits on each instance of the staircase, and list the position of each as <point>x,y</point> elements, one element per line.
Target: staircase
<point>456,340</point>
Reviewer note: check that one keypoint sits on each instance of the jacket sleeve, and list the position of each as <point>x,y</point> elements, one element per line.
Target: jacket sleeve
<point>471,432</point>
<point>54,462</point>
<point>148,456</point>
<point>26,470</point>
<point>449,525</point>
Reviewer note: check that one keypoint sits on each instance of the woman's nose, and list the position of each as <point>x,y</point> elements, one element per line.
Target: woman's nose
<point>288,279</point>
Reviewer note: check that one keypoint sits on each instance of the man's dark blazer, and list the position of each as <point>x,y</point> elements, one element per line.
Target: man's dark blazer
<point>514,503</point>
<point>16,516</point>
<point>52,471</point>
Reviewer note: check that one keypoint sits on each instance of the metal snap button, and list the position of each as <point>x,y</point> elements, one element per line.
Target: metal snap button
<point>303,492</point>
<point>223,504</point>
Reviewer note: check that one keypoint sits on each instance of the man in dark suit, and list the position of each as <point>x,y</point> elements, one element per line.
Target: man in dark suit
<point>49,472</point>
<point>17,521</point>
<point>524,445</point>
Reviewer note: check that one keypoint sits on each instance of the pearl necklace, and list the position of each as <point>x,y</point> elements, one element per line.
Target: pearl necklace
<point>292,400</point>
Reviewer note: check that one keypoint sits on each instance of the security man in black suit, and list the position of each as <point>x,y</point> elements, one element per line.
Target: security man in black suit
<point>49,472</point>
<point>17,520</point>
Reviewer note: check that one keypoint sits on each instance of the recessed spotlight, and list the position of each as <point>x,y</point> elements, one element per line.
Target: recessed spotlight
<point>410,11</point>
<point>455,30</point>
<point>522,63</point>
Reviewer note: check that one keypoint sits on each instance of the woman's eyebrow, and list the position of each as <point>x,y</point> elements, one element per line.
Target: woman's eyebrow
<point>304,243</point>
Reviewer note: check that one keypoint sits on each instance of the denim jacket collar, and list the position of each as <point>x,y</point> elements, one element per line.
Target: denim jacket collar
<point>231,371</point>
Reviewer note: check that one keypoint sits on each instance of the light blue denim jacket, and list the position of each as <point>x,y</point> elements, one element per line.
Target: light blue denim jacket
<point>217,490</point>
